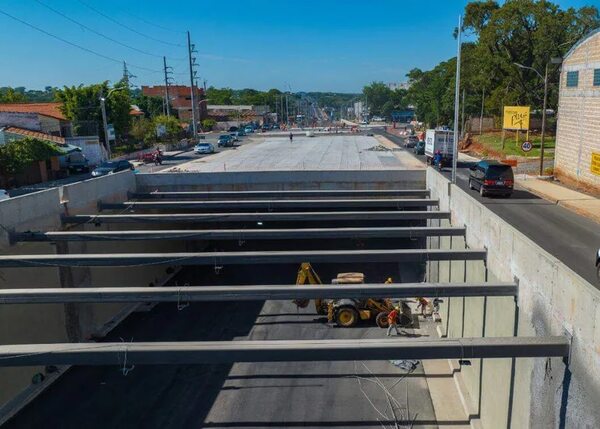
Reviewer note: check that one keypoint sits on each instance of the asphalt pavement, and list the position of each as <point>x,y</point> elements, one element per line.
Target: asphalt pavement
<point>564,234</point>
<point>269,395</point>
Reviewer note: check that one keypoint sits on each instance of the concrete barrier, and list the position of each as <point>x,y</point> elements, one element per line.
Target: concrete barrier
<point>41,211</point>
<point>281,180</point>
<point>553,300</point>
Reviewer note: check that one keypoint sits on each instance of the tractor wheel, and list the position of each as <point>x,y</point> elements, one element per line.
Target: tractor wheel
<point>382,320</point>
<point>301,303</point>
<point>346,317</point>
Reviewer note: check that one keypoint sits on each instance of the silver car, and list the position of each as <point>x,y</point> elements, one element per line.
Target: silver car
<point>202,148</point>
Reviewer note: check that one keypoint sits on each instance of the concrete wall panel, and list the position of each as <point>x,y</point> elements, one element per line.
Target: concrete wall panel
<point>552,300</point>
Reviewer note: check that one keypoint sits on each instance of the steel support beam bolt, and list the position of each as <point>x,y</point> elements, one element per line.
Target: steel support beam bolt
<point>242,258</point>
<point>190,353</point>
<point>249,293</point>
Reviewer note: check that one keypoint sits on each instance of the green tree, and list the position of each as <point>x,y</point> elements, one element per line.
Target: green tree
<point>10,95</point>
<point>81,104</point>
<point>208,124</point>
<point>219,96</point>
<point>171,124</point>
<point>377,94</point>
<point>16,155</point>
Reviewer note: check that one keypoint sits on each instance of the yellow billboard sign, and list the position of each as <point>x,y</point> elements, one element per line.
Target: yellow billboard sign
<point>595,167</point>
<point>516,118</point>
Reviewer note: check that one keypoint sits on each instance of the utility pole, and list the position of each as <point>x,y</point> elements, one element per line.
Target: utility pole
<point>168,71</point>
<point>192,61</point>
<point>462,122</point>
<point>127,75</point>
<point>105,124</point>
<point>482,107</point>
<point>457,101</point>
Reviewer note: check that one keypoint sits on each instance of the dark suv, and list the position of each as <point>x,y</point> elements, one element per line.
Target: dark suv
<point>492,178</point>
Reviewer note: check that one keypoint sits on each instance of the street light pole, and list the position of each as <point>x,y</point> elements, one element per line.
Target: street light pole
<point>544,121</point>
<point>457,102</point>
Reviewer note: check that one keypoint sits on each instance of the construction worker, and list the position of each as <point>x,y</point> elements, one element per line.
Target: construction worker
<point>424,304</point>
<point>393,321</point>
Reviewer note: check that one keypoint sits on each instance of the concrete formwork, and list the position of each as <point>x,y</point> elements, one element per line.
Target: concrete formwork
<point>552,300</point>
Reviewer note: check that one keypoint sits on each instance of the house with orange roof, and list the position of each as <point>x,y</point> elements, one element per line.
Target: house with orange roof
<point>46,118</point>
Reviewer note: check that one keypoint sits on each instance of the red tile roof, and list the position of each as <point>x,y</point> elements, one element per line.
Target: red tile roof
<point>45,109</point>
<point>35,135</point>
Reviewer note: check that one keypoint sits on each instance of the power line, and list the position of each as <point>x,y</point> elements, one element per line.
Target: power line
<point>97,32</point>
<point>154,24</point>
<point>83,48</point>
<point>110,18</point>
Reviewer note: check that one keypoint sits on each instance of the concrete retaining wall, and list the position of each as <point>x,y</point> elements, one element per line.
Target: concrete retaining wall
<point>41,211</point>
<point>552,300</point>
<point>282,180</point>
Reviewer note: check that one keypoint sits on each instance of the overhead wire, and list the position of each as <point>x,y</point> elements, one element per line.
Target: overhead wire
<point>76,45</point>
<point>141,51</point>
<point>133,30</point>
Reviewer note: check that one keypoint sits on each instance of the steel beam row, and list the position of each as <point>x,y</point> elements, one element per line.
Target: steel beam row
<point>258,217</point>
<point>241,234</point>
<point>191,353</point>
<point>242,258</point>
<point>317,193</point>
<point>271,204</point>
<point>251,293</point>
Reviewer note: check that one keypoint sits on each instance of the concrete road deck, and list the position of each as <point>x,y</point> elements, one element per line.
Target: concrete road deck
<point>344,152</point>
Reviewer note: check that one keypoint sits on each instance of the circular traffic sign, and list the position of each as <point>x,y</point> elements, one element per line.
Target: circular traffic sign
<point>526,146</point>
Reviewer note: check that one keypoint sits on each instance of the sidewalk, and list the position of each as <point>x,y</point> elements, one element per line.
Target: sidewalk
<point>580,203</point>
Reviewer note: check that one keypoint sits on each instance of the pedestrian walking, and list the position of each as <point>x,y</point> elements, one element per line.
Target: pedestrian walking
<point>393,321</point>
<point>291,137</point>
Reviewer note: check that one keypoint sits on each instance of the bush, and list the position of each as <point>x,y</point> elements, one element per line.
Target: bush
<point>208,124</point>
<point>16,155</point>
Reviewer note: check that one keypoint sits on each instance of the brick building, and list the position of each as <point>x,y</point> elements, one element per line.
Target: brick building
<point>578,133</point>
<point>181,99</point>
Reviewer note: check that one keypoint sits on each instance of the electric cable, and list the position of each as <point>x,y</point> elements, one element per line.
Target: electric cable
<point>83,48</point>
<point>133,30</point>
<point>141,51</point>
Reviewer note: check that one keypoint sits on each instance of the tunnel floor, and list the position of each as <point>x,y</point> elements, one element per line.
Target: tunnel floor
<point>257,395</point>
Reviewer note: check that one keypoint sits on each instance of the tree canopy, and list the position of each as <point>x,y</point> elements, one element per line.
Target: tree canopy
<point>16,155</point>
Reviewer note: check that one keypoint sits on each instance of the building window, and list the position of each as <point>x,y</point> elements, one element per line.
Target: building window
<point>572,79</point>
<point>597,77</point>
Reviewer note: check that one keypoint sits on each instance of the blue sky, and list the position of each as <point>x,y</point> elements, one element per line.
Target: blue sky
<point>312,45</point>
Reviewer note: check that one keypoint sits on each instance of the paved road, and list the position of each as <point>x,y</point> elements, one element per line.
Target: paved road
<point>571,238</point>
<point>271,395</point>
<point>168,162</point>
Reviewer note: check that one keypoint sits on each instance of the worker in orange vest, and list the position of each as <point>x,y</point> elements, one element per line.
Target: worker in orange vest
<point>393,321</point>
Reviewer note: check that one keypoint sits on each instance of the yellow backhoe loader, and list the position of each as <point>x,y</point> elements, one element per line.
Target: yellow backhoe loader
<point>347,312</point>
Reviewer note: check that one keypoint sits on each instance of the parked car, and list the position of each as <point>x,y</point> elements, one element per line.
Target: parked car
<point>248,130</point>
<point>419,148</point>
<point>202,148</point>
<point>240,133</point>
<point>234,136</point>
<point>276,127</point>
<point>4,195</point>
<point>491,177</point>
<point>410,142</point>
<point>232,129</point>
<point>110,167</point>
<point>225,141</point>
<point>75,162</point>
